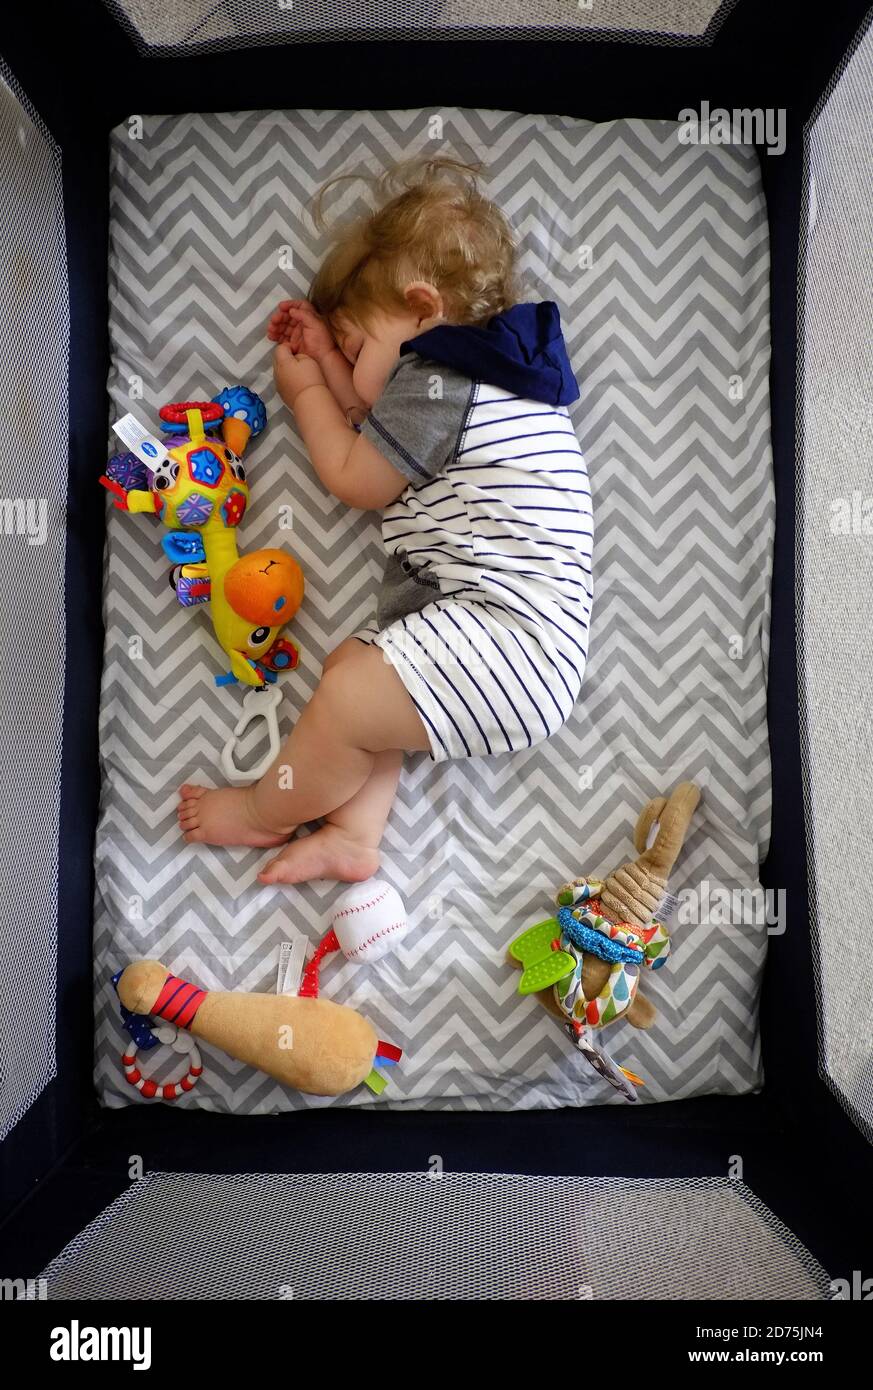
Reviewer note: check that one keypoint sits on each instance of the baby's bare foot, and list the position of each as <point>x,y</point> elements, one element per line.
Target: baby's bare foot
<point>328,853</point>
<point>222,817</point>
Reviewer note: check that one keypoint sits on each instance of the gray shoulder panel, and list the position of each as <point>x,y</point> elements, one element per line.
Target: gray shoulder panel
<point>418,419</point>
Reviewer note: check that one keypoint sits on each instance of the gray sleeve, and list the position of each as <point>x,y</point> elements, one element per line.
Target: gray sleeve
<point>418,419</point>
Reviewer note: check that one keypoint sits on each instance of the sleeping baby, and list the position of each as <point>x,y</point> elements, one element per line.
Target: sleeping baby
<point>422,388</point>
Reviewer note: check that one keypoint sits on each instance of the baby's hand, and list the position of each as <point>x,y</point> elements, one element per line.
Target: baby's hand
<point>296,323</point>
<point>293,373</point>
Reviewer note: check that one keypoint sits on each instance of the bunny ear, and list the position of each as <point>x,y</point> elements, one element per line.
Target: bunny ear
<point>674,819</point>
<point>649,816</point>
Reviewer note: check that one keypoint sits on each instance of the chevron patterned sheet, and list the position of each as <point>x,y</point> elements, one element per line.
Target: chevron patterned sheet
<point>657,253</point>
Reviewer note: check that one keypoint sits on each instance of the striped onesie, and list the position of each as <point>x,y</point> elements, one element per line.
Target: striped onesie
<point>486,602</point>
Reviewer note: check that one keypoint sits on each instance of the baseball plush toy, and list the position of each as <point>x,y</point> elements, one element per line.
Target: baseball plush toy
<point>367,922</point>
<point>585,962</point>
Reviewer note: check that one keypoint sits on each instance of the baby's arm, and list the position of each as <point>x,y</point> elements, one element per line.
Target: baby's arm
<point>348,464</point>
<point>338,376</point>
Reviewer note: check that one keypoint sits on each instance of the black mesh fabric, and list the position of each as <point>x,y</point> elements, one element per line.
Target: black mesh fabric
<point>835,563</point>
<point>34,362</point>
<point>435,1236</point>
<point>211,25</point>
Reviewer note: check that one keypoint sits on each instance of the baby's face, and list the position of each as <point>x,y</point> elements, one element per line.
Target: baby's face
<point>373,351</point>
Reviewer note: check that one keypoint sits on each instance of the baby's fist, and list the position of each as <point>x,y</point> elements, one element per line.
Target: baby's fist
<point>294,373</point>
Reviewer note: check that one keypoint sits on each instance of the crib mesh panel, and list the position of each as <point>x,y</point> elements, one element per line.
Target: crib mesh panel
<point>34,360</point>
<point>396,1236</point>
<point>226,24</point>
<point>835,569</point>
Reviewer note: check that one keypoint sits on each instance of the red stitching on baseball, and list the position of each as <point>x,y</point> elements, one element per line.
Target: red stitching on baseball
<point>370,939</point>
<point>361,907</point>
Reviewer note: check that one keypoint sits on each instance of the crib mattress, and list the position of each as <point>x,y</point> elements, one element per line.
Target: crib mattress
<point>657,254</point>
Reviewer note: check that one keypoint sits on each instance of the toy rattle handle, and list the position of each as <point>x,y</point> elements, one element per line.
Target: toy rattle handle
<point>257,704</point>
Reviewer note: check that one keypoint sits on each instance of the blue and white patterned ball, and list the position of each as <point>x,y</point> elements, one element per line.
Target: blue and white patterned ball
<point>242,403</point>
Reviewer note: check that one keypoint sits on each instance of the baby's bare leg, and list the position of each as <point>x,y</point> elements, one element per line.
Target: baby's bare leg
<point>346,847</point>
<point>360,709</point>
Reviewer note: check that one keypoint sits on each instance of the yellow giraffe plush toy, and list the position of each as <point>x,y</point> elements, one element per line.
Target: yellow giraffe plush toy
<point>198,488</point>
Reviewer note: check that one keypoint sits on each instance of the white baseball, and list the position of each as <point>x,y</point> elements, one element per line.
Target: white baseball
<point>369,919</point>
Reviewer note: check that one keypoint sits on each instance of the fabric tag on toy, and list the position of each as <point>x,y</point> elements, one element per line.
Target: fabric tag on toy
<point>137,438</point>
<point>376,1082</point>
<point>292,958</point>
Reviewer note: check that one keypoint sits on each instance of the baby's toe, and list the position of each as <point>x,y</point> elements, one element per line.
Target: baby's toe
<point>191,791</point>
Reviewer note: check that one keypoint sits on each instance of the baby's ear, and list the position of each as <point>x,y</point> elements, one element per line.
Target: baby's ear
<point>424,300</point>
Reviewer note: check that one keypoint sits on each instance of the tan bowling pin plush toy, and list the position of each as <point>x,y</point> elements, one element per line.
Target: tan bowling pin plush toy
<point>308,1043</point>
<point>585,962</point>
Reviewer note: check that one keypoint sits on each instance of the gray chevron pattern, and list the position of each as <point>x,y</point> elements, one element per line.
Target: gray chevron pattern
<point>663,313</point>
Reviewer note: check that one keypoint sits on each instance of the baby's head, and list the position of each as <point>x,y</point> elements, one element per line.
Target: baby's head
<point>436,251</point>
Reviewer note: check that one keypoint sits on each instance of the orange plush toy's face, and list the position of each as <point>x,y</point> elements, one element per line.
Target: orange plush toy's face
<point>265,588</point>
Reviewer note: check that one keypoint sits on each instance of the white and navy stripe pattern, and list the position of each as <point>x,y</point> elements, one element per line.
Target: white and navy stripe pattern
<point>505,529</point>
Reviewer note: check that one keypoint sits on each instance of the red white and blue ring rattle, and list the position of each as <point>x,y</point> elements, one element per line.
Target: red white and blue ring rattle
<point>179,1041</point>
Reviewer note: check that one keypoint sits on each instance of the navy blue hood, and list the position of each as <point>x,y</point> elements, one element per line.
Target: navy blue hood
<point>521,350</point>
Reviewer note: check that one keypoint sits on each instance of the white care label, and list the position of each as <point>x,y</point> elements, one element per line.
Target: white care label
<point>138,440</point>
<point>292,958</point>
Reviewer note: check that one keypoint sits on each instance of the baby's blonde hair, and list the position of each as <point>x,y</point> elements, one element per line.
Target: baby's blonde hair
<point>438,228</point>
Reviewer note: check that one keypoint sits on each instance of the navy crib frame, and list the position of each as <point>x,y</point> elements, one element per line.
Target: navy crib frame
<point>67,1158</point>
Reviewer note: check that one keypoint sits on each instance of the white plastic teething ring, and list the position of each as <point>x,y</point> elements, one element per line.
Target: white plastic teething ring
<point>257,704</point>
